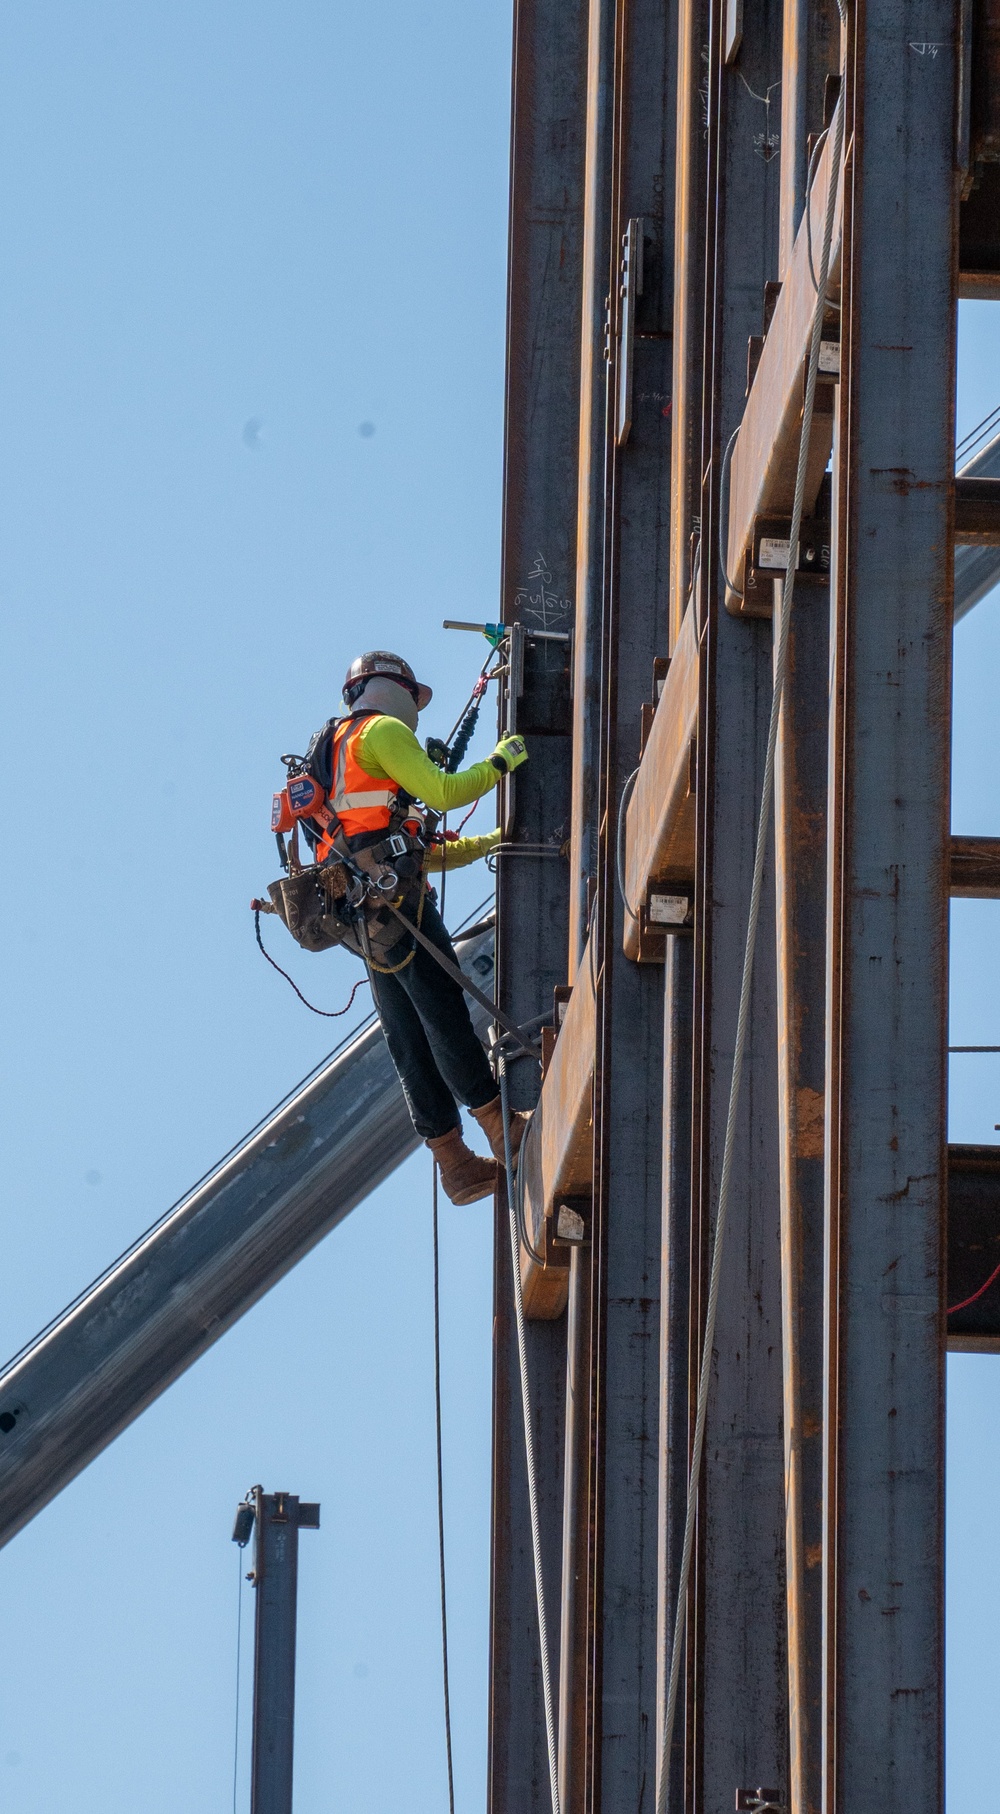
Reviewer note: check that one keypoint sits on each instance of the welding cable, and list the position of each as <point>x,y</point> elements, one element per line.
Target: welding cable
<point>619,840</point>
<point>783,613</point>
<point>440,1490</point>
<point>529,1441</point>
<point>327,1013</point>
<point>976,1295</point>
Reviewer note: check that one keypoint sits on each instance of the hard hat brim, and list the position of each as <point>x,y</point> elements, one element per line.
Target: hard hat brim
<point>424,695</point>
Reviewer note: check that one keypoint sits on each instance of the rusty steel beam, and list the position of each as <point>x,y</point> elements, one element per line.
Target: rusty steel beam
<point>763,461</point>
<point>545,264</point>
<point>810,54</point>
<point>607,1699</point>
<point>973,1249</point>
<point>557,1158</point>
<point>888,919</point>
<point>659,843</point>
<point>689,311</point>
<point>736,1690</point>
<point>974,869</point>
<point>977,512</point>
<point>800,897</point>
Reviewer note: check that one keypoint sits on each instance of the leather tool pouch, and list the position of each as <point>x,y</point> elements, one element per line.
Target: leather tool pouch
<point>308,903</point>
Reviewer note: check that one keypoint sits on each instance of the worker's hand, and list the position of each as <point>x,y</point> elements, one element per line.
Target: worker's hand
<point>510,752</point>
<point>437,751</point>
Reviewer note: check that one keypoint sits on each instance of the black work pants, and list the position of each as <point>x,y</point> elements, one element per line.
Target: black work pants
<point>425,1019</point>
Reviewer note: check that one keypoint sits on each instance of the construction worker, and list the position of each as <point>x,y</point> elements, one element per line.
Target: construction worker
<point>377,772</point>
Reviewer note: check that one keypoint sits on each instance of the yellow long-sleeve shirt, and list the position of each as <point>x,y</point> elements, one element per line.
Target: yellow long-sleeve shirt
<point>387,750</point>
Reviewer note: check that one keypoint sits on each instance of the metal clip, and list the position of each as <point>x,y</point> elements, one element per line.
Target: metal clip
<point>759,1801</point>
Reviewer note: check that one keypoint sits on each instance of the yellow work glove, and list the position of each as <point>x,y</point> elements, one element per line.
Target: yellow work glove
<point>510,752</point>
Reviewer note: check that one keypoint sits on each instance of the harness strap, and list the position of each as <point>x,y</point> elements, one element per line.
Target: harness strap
<point>458,976</point>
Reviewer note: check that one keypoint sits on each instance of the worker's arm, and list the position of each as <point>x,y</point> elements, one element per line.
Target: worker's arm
<point>457,852</point>
<point>388,751</point>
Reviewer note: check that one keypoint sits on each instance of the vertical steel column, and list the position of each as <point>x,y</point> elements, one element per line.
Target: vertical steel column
<point>675,1294</point>
<point>689,324</point>
<point>609,1675</point>
<point>737,1705</point>
<point>539,553</point>
<point>278,1518</point>
<point>889,796</point>
<point>592,497</point>
<point>811,53</point>
<point>800,887</point>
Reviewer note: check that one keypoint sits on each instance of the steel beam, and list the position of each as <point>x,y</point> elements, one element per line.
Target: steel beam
<point>278,1518</point>
<point>737,1700</point>
<point>888,889</point>
<point>189,1279</point>
<point>609,1669</point>
<point>545,266</point>
<point>800,895</point>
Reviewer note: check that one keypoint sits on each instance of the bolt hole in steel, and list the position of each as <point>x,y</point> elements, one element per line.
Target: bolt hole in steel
<point>8,1421</point>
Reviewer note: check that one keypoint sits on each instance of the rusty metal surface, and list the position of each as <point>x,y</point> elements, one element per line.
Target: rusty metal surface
<point>975,869</point>
<point>762,467</point>
<point>545,264</point>
<point>973,1248</point>
<point>660,821</point>
<point>736,1710</point>
<point>887,1002</point>
<point>800,900</point>
<point>810,53</point>
<point>977,511</point>
<point>557,1158</point>
<point>689,310</point>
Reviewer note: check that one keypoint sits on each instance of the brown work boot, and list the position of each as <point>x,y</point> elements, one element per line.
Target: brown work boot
<point>490,1120</point>
<point>464,1176</point>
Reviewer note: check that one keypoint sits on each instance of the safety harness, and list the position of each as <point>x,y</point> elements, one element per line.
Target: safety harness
<point>367,843</point>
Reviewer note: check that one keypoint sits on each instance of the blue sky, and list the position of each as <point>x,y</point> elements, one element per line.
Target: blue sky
<point>232,237</point>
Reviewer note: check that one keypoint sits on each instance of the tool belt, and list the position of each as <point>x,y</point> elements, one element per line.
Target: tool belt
<point>345,901</point>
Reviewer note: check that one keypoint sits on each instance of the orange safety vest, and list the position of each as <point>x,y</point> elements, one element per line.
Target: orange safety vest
<point>359,805</point>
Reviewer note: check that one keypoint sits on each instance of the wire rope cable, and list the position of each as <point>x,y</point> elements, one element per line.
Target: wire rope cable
<point>743,1018</point>
<point>727,459</point>
<point>619,841</point>
<point>982,432</point>
<point>440,1489</point>
<point>529,1441</point>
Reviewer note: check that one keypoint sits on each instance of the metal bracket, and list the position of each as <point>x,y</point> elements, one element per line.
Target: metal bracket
<point>759,1801</point>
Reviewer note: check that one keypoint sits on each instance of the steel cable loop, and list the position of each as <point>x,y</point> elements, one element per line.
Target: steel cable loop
<point>763,822</point>
<point>619,854</point>
<point>446,1680</point>
<point>529,1441</point>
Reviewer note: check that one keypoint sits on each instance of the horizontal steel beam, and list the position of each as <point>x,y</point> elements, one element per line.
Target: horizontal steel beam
<point>977,512</point>
<point>975,869</point>
<point>763,463</point>
<point>557,1158</point>
<point>973,1248</point>
<point>660,821</point>
<point>137,1329</point>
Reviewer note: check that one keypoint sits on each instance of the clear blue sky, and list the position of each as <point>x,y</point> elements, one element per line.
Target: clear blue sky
<point>232,236</point>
